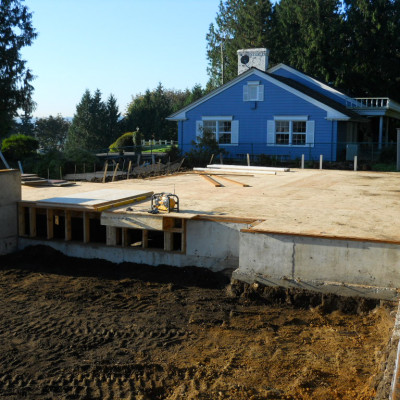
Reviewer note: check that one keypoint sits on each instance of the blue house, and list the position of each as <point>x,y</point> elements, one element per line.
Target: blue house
<point>284,113</point>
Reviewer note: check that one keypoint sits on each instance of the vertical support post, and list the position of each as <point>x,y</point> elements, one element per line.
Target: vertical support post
<point>320,161</point>
<point>50,223</point>
<point>380,132</point>
<point>355,163</point>
<point>248,159</point>
<point>86,228</point>
<point>398,149</point>
<point>68,230</point>
<point>145,238</point>
<point>211,159</point>
<point>129,169</point>
<point>168,241</point>
<point>111,235</point>
<point>302,161</point>
<point>221,159</point>
<point>124,239</point>
<point>21,221</point>
<point>105,171</point>
<point>115,172</point>
<point>32,221</point>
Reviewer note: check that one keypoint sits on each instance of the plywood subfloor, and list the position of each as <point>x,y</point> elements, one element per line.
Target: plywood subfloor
<point>363,205</point>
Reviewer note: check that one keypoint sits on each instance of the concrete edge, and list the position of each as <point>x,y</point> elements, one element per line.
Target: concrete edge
<point>338,288</point>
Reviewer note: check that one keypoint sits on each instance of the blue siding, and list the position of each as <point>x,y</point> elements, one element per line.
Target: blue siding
<point>253,121</point>
<point>287,74</point>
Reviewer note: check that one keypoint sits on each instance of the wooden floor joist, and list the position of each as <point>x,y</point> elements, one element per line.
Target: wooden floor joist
<point>211,180</point>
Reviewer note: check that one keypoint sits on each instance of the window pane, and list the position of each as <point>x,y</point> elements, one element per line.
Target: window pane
<point>299,139</point>
<point>210,126</point>
<point>282,126</point>
<point>224,127</point>
<point>282,138</point>
<point>253,92</point>
<point>225,138</point>
<point>299,126</point>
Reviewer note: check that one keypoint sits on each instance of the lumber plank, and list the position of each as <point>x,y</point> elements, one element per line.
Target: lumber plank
<point>233,181</point>
<point>211,180</point>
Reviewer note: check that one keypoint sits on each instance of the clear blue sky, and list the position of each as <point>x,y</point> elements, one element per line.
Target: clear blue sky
<point>121,47</point>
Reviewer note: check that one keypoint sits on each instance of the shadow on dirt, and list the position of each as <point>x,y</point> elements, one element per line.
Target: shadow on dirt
<point>45,259</point>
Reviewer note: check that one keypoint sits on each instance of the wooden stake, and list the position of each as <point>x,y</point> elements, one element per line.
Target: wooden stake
<point>129,169</point>
<point>248,159</point>
<point>105,171</point>
<point>115,172</point>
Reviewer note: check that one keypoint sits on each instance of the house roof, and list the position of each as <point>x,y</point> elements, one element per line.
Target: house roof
<point>335,110</point>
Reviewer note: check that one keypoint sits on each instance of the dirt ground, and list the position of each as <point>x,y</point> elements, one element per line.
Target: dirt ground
<point>89,329</point>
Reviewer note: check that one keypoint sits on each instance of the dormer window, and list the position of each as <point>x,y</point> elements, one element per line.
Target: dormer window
<point>253,91</point>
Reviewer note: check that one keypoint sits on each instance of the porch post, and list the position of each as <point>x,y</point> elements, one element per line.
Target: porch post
<point>380,132</point>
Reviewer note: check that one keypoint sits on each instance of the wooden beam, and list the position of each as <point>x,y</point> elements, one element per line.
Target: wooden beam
<point>233,181</point>
<point>68,230</point>
<point>50,223</point>
<point>32,221</point>
<point>211,180</point>
<point>168,241</point>
<point>21,221</point>
<point>115,172</point>
<point>145,238</point>
<point>86,227</point>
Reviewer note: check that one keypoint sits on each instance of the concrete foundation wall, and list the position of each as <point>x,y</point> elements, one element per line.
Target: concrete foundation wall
<point>311,262</point>
<point>10,194</point>
<point>123,254</point>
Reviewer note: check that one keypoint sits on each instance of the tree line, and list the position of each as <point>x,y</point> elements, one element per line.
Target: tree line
<point>353,45</point>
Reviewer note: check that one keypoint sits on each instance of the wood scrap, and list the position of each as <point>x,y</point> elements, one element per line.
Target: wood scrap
<point>233,181</point>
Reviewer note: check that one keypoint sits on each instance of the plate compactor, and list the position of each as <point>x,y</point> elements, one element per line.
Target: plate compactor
<point>164,202</point>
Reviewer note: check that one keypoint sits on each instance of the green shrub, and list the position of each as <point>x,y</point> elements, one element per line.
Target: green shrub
<point>18,147</point>
<point>129,141</point>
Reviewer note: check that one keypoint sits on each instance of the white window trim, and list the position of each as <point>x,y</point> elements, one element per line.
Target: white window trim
<point>310,130</point>
<point>218,118</point>
<point>253,84</point>
<point>291,118</point>
<point>234,128</point>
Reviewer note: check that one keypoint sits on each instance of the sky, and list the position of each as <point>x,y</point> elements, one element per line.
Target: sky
<point>121,47</point>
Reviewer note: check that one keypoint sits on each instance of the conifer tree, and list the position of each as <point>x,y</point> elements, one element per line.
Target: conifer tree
<point>16,32</point>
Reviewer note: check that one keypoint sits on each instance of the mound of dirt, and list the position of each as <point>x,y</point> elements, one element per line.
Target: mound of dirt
<point>90,329</point>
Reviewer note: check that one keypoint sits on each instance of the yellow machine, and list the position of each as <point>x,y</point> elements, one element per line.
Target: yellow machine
<point>165,202</point>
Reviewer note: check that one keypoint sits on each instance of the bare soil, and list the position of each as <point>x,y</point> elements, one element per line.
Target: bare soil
<point>90,329</point>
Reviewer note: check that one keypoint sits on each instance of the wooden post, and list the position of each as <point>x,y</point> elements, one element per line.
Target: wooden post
<point>105,171</point>
<point>21,221</point>
<point>129,169</point>
<point>145,238</point>
<point>211,159</point>
<point>168,241</point>
<point>248,159</point>
<point>115,172</point>
<point>32,221</point>
<point>124,239</point>
<point>68,230</point>
<point>111,235</point>
<point>302,161</point>
<point>50,223</point>
<point>86,228</point>
<point>320,161</point>
<point>221,160</point>
<point>355,163</point>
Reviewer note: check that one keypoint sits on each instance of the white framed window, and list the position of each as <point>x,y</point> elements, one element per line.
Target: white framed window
<point>290,131</point>
<point>224,129</point>
<point>253,91</point>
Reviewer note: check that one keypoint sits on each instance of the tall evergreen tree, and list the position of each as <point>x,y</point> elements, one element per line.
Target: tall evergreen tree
<point>94,124</point>
<point>239,24</point>
<point>16,32</point>
<point>308,35</point>
<point>373,47</point>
